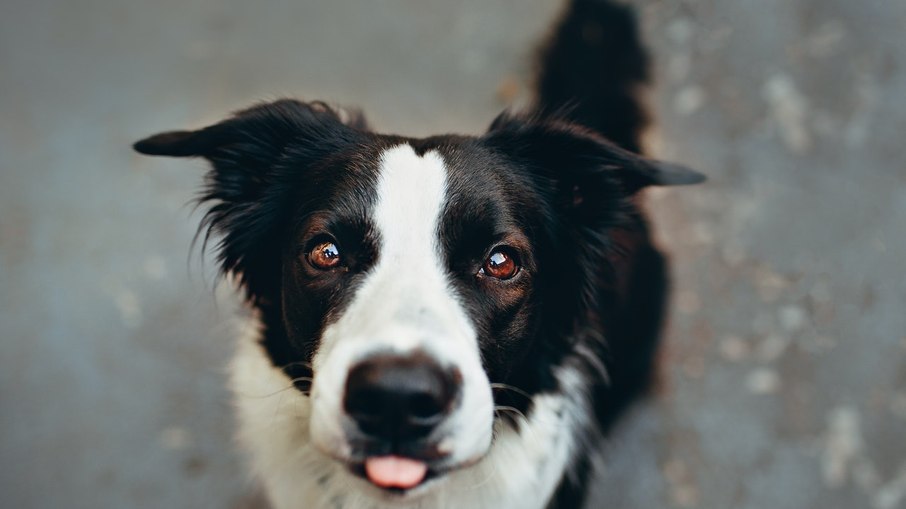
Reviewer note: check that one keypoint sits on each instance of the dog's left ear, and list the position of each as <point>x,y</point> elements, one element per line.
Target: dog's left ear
<point>258,135</point>
<point>581,159</point>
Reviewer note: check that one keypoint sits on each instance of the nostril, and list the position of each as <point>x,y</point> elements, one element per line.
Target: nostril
<point>363,404</point>
<point>399,398</point>
<point>425,406</point>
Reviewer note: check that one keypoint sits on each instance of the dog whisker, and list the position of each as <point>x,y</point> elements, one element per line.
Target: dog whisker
<point>512,388</point>
<point>503,408</point>
<point>279,391</point>
<point>277,406</point>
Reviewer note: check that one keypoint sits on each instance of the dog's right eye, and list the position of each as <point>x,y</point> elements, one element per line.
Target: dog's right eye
<point>500,264</point>
<point>325,255</point>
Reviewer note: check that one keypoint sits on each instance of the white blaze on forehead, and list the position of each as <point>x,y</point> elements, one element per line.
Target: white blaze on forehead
<point>405,300</point>
<point>411,192</point>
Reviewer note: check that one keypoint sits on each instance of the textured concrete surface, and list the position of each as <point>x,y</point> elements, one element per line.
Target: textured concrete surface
<point>785,369</point>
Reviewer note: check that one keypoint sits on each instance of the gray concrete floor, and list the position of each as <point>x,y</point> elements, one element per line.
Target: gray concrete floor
<point>785,368</point>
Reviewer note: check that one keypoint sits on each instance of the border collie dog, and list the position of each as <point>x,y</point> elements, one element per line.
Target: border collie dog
<point>452,321</point>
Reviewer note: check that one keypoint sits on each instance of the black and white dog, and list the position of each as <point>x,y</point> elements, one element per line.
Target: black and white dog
<point>451,321</point>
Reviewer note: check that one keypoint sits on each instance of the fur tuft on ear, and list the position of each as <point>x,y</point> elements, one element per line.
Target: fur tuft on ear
<point>258,156</point>
<point>173,143</point>
<point>659,173</point>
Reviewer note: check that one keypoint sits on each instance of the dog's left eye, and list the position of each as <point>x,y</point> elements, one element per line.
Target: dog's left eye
<point>500,264</point>
<point>325,255</point>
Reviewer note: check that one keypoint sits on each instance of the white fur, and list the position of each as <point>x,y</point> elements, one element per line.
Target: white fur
<point>520,471</point>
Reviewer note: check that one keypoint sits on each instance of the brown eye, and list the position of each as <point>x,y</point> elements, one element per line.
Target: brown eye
<point>325,255</point>
<point>500,264</point>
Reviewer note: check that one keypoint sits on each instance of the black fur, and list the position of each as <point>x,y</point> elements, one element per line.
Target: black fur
<point>559,186</point>
<point>593,70</point>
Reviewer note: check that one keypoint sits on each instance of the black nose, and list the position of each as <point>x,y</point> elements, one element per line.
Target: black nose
<point>399,399</point>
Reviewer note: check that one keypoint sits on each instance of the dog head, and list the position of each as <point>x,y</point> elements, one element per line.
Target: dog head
<point>404,281</point>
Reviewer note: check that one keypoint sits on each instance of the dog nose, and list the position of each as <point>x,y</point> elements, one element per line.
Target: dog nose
<point>399,399</point>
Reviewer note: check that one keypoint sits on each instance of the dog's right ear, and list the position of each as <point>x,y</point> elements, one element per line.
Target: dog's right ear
<point>580,156</point>
<point>258,157</point>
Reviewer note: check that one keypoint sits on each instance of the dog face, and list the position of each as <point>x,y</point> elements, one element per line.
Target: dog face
<point>397,368</point>
<point>404,282</point>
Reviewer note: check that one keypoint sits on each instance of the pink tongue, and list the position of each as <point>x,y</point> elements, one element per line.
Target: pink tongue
<point>395,472</point>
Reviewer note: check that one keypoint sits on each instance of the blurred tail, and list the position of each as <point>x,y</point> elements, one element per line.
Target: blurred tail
<point>592,71</point>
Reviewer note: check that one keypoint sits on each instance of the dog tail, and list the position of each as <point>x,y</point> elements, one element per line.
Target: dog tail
<point>593,69</point>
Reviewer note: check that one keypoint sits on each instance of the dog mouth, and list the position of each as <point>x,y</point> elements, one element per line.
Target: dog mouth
<point>399,476</point>
<point>397,470</point>
<point>394,474</point>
